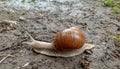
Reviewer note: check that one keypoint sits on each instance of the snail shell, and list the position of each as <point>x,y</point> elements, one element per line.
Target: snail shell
<point>69,39</point>
<point>67,43</point>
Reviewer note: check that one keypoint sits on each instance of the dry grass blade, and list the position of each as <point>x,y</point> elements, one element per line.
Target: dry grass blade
<point>5,58</point>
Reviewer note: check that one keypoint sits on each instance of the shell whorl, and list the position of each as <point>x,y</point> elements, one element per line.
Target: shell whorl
<point>69,39</point>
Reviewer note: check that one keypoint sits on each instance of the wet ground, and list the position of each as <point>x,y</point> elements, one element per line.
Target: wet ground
<point>43,19</point>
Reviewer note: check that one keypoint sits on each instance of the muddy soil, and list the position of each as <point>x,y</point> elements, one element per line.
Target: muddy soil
<point>97,22</point>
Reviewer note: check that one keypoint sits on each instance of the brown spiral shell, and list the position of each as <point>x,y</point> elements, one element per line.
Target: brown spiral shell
<point>69,39</point>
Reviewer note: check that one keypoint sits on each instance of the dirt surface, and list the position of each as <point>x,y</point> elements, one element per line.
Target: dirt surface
<point>97,21</point>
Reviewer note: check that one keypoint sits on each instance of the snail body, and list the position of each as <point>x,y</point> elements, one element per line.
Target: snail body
<point>67,43</point>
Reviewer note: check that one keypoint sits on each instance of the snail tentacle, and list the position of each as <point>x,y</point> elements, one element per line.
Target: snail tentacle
<point>29,43</point>
<point>39,44</point>
<point>30,36</point>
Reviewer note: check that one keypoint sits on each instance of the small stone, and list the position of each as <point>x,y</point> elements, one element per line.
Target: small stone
<point>17,33</point>
<point>22,18</point>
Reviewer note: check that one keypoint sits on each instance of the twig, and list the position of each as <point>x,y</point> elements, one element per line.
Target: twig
<point>5,49</point>
<point>5,58</point>
<point>25,65</point>
<point>118,25</point>
<point>9,22</point>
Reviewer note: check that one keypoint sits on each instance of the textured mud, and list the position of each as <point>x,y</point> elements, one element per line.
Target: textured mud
<point>97,21</point>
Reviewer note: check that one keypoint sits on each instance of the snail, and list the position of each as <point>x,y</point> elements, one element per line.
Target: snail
<point>67,43</point>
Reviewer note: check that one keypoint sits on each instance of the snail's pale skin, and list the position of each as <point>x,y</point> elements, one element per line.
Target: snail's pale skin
<point>50,50</point>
